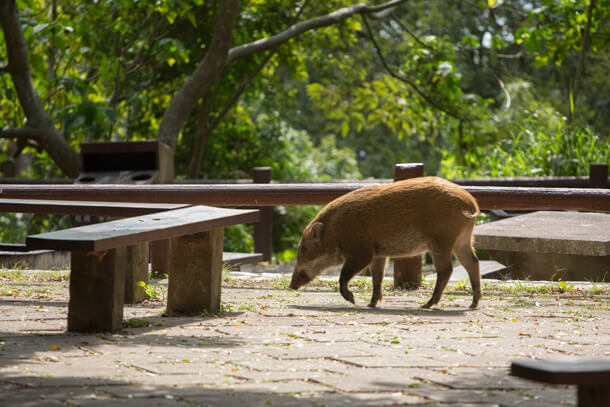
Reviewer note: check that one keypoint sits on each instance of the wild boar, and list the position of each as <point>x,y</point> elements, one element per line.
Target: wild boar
<point>402,219</point>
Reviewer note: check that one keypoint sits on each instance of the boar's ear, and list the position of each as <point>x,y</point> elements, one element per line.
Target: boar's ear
<point>316,231</point>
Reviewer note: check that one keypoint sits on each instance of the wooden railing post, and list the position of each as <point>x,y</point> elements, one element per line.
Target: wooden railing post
<point>407,270</point>
<point>598,175</point>
<point>263,228</point>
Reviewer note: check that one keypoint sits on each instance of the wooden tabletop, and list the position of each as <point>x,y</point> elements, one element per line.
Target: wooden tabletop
<point>157,226</point>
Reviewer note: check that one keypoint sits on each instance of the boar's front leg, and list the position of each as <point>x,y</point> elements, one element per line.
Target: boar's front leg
<point>377,271</point>
<point>350,268</point>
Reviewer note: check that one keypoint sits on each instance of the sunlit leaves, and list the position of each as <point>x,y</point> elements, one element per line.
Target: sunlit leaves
<point>556,28</point>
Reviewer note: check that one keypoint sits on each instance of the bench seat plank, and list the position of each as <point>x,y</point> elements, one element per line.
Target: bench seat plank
<point>14,247</point>
<point>125,232</point>
<point>589,372</point>
<point>237,258</point>
<point>92,208</point>
<point>592,376</point>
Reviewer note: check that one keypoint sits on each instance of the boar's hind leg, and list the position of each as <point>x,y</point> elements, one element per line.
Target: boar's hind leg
<point>465,253</point>
<point>351,267</point>
<point>377,270</point>
<point>444,268</point>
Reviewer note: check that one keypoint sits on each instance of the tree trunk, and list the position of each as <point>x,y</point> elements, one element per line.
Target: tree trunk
<point>206,73</point>
<point>201,135</point>
<point>39,126</point>
<point>581,60</point>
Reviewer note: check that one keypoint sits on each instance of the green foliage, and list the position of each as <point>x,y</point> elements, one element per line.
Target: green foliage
<point>292,156</point>
<point>324,106</point>
<point>135,323</point>
<point>12,228</point>
<point>536,151</point>
<point>15,227</point>
<point>564,287</point>
<point>555,28</point>
<point>153,292</point>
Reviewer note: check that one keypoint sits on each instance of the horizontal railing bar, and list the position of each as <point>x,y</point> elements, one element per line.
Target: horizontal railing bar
<point>537,182</point>
<point>509,198</point>
<point>530,182</point>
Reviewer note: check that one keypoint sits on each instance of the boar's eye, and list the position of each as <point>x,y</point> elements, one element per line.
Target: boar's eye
<point>302,249</point>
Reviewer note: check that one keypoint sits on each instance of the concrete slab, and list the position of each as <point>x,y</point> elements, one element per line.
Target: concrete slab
<point>35,259</point>
<point>579,233</point>
<point>488,268</point>
<point>549,245</point>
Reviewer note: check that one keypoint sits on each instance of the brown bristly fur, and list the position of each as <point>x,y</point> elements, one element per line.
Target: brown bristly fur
<point>402,219</point>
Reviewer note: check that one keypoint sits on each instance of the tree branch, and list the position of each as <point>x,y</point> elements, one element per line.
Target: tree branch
<point>21,133</point>
<point>510,56</point>
<point>404,79</point>
<point>18,64</point>
<point>208,70</point>
<point>415,37</point>
<point>220,54</point>
<point>581,55</point>
<point>40,127</point>
<point>335,17</point>
<point>242,87</point>
<point>203,130</point>
<point>507,102</point>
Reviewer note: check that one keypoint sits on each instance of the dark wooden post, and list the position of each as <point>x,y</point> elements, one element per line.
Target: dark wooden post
<point>262,228</point>
<point>97,291</point>
<point>598,175</point>
<point>407,270</point>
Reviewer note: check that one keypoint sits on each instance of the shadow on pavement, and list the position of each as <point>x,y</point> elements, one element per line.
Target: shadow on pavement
<point>383,311</point>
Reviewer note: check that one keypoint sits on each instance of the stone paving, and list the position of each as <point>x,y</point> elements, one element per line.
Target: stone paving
<point>272,346</point>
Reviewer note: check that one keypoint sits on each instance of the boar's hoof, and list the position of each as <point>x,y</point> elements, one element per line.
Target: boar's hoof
<point>349,297</point>
<point>474,304</point>
<point>428,304</point>
<point>371,304</point>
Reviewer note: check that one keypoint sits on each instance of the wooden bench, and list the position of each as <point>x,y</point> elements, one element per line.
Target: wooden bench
<point>25,254</point>
<point>83,208</point>
<point>549,245</point>
<point>236,259</point>
<point>20,255</point>
<point>108,259</point>
<point>592,376</point>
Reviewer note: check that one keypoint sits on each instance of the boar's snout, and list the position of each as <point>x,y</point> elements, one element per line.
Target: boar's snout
<point>299,279</point>
<point>293,285</point>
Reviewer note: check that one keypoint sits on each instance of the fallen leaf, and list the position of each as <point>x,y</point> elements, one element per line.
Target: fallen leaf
<point>100,255</point>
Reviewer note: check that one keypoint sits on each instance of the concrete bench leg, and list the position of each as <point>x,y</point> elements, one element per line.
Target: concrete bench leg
<point>136,269</point>
<point>196,273</point>
<point>97,290</point>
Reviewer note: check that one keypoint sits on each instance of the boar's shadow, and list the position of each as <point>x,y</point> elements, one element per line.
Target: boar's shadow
<point>383,311</point>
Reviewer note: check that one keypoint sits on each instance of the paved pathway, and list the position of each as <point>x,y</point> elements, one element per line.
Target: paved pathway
<point>272,346</point>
